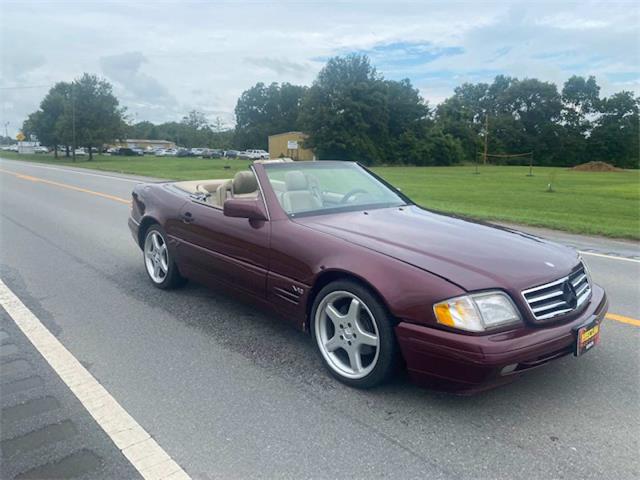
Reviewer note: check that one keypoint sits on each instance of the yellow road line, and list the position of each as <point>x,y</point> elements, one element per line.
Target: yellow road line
<point>67,186</point>
<point>623,319</point>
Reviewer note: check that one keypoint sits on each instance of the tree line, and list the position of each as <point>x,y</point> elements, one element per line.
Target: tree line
<point>86,113</point>
<point>351,112</point>
<point>193,130</point>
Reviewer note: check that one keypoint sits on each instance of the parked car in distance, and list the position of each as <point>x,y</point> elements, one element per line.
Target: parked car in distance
<point>197,151</point>
<point>377,281</point>
<point>184,152</point>
<point>232,154</point>
<point>79,152</point>
<point>128,152</point>
<point>41,149</point>
<point>169,152</point>
<point>213,153</point>
<point>257,154</point>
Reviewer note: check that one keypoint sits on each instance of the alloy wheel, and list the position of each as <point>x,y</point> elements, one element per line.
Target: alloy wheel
<point>156,256</point>
<point>347,334</point>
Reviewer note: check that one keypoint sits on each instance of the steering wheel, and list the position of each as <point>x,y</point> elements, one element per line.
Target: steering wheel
<point>352,193</point>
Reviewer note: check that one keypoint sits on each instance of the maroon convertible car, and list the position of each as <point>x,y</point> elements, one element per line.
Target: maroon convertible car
<point>378,281</point>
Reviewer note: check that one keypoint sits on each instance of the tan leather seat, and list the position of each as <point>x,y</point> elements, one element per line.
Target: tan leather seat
<point>298,197</point>
<point>243,185</point>
<point>223,192</point>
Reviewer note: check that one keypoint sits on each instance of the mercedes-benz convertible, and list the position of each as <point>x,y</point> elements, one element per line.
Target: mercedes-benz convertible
<point>380,283</point>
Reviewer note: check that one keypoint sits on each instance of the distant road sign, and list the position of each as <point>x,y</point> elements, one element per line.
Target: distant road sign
<point>20,137</point>
<point>292,145</point>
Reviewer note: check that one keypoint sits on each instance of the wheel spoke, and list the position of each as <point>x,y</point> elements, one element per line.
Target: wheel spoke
<point>156,242</point>
<point>164,263</point>
<point>365,338</point>
<point>156,270</point>
<point>334,315</point>
<point>355,361</point>
<point>354,310</point>
<point>333,344</point>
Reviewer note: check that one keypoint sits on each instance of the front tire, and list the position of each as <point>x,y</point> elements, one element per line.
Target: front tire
<point>354,334</point>
<point>158,261</point>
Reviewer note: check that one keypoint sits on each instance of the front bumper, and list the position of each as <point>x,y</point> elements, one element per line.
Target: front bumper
<point>467,363</point>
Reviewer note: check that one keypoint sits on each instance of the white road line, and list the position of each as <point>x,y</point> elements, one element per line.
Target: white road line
<point>613,257</point>
<point>136,444</point>
<point>71,170</point>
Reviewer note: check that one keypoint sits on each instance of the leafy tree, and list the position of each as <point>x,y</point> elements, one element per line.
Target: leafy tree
<point>345,111</point>
<point>92,115</point>
<point>581,103</point>
<point>523,116</point>
<point>195,120</point>
<point>45,123</point>
<point>265,110</point>
<point>457,118</point>
<point>615,137</point>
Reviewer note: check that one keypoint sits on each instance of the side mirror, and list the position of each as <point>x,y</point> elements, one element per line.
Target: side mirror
<point>253,208</point>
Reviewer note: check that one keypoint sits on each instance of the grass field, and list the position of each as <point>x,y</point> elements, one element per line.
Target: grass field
<point>582,202</point>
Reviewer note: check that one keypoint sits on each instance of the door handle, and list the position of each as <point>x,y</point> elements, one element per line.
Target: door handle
<point>187,217</point>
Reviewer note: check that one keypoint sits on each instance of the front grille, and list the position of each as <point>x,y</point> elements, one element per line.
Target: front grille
<point>560,296</point>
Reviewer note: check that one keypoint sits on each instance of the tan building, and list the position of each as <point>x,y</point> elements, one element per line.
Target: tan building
<point>290,144</point>
<point>144,144</point>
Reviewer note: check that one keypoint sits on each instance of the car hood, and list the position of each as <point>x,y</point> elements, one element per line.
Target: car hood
<point>473,255</point>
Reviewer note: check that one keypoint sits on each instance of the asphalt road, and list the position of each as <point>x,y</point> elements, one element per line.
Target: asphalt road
<point>230,392</point>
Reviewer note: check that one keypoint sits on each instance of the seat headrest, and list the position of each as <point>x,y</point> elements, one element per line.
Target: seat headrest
<point>244,182</point>
<point>296,180</point>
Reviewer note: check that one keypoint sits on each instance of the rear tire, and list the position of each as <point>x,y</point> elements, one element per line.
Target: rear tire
<point>158,261</point>
<point>354,334</point>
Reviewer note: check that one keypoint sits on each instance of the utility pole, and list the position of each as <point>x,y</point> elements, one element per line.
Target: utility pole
<point>486,136</point>
<point>73,119</point>
<point>6,131</point>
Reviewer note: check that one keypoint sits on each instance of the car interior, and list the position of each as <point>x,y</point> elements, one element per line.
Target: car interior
<point>217,191</point>
<point>298,192</point>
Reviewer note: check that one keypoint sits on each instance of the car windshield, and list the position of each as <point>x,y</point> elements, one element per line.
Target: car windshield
<point>319,187</point>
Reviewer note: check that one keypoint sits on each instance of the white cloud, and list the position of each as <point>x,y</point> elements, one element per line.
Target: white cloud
<point>167,58</point>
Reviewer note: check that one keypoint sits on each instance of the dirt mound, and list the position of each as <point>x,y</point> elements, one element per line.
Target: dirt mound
<point>596,167</point>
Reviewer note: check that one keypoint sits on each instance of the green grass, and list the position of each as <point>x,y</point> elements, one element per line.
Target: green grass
<point>605,203</point>
<point>582,202</point>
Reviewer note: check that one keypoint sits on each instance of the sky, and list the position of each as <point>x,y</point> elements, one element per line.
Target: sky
<point>167,58</point>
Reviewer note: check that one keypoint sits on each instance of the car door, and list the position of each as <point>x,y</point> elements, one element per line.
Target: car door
<point>220,249</point>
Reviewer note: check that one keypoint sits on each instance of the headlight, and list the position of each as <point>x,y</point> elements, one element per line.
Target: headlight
<point>477,312</point>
